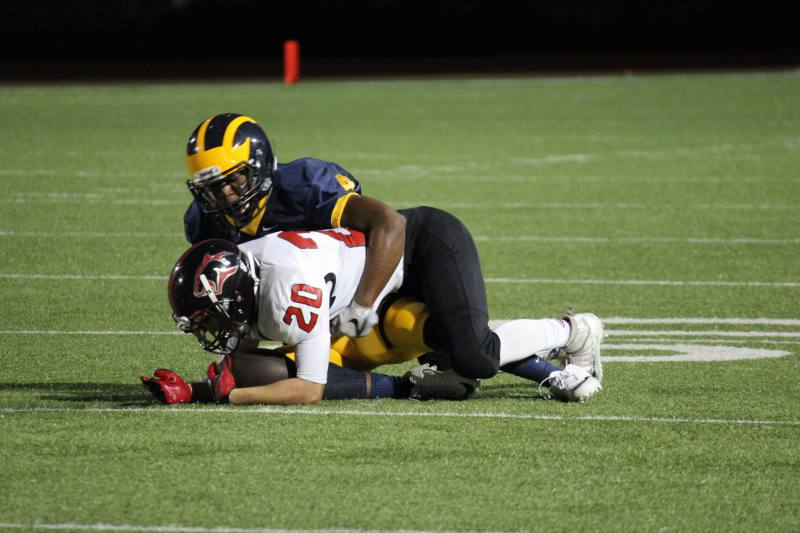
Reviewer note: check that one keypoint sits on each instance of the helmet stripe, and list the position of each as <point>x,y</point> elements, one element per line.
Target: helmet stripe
<point>217,129</point>
<point>233,127</point>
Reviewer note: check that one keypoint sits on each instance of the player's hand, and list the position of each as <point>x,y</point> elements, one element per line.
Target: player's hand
<point>222,379</point>
<point>167,387</point>
<point>353,321</point>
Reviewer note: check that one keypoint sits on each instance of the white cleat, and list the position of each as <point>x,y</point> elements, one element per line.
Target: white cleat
<point>572,384</point>
<point>583,346</point>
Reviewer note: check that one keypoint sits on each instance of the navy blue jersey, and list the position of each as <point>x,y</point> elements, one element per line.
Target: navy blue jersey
<point>306,194</point>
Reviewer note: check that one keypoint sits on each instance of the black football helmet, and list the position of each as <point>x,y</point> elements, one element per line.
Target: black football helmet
<point>230,150</point>
<point>213,292</point>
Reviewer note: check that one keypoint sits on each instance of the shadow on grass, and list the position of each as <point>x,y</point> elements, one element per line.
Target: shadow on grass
<point>123,394</point>
<point>133,394</point>
<point>527,390</point>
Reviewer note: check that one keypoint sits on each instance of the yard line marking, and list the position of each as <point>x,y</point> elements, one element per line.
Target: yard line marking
<point>480,238</point>
<point>82,276</point>
<point>88,234</point>
<point>106,200</point>
<point>421,414</point>
<point>87,173</point>
<point>86,332</point>
<point>534,281</point>
<point>705,320</point>
<point>99,200</point>
<point>405,172</point>
<point>695,333</point>
<point>690,353</point>
<point>194,529</point>
<point>642,240</point>
<point>531,281</point>
<point>716,342</point>
<point>595,205</point>
<point>497,322</point>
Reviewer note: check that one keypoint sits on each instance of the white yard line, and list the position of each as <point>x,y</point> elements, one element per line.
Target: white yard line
<point>688,353</point>
<point>495,323</point>
<point>194,529</point>
<point>526,281</point>
<point>687,283</point>
<point>632,240</point>
<point>91,234</point>
<point>698,333</point>
<point>80,277</point>
<point>95,198</point>
<point>403,414</point>
<point>86,332</point>
<point>494,206</point>
<point>704,320</point>
<point>480,238</point>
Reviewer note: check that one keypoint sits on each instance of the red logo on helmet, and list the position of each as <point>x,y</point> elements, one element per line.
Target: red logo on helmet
<point>219,276</point>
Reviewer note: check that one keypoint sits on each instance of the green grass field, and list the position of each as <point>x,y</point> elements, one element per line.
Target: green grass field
<point>668,205</point>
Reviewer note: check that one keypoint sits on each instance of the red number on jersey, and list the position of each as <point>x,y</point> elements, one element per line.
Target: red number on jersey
<point>300,292</point>
<point>306,295</point>
<point>297,314</point>
<point>298,240</point>
<point>354,239</point>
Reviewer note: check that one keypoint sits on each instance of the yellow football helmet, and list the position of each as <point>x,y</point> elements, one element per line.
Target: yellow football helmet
<point>231,164</point>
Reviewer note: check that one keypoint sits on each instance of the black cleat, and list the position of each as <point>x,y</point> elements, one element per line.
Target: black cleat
<point>428,383</point>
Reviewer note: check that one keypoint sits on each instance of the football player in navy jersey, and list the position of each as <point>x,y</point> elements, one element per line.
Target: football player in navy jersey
<point>241,193</point>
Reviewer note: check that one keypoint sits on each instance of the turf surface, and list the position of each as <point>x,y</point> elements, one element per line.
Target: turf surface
<point>674,198</point>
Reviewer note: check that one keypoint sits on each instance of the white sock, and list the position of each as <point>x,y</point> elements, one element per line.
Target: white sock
<point>522,338</point>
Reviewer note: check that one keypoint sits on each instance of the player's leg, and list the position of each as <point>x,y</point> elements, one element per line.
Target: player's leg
<point>524,345</point>
<point>443,270</point>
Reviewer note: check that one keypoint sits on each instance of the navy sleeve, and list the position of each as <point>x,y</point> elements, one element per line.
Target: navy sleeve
<point>309,193</point>
<point>199,227</point>
<point>329,186</point>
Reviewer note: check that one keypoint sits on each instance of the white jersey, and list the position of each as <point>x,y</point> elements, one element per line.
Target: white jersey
<point>307,278</point>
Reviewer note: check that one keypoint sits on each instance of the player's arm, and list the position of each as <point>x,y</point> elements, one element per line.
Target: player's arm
<point>307,388</point>
<point>198,226</point>
<point>386,231</point>
<point>284,392</point>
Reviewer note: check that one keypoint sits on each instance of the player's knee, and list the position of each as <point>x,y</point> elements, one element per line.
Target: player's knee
<point>478,360</point>
<point>477,365</point>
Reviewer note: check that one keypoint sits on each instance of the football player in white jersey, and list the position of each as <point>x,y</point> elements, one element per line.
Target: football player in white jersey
<point>288,285</point>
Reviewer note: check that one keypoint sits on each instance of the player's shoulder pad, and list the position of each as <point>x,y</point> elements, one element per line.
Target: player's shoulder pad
<point>309,170</point>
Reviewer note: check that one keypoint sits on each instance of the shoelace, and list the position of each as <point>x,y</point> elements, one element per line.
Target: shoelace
<point>421,371</point>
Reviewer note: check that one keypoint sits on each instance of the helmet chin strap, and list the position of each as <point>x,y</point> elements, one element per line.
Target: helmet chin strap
<point>251,269</point>
<point>211,295</point>
<point>209,290</point>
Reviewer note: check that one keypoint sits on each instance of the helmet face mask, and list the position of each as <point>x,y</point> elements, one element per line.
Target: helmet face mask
<point>214,329</point>
<point>234,192</point>
<point>213,291</point>
<point>231,163</point>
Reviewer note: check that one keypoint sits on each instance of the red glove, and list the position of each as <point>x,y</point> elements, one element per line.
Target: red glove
<point>222,379</point>
<point>168,387</point>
